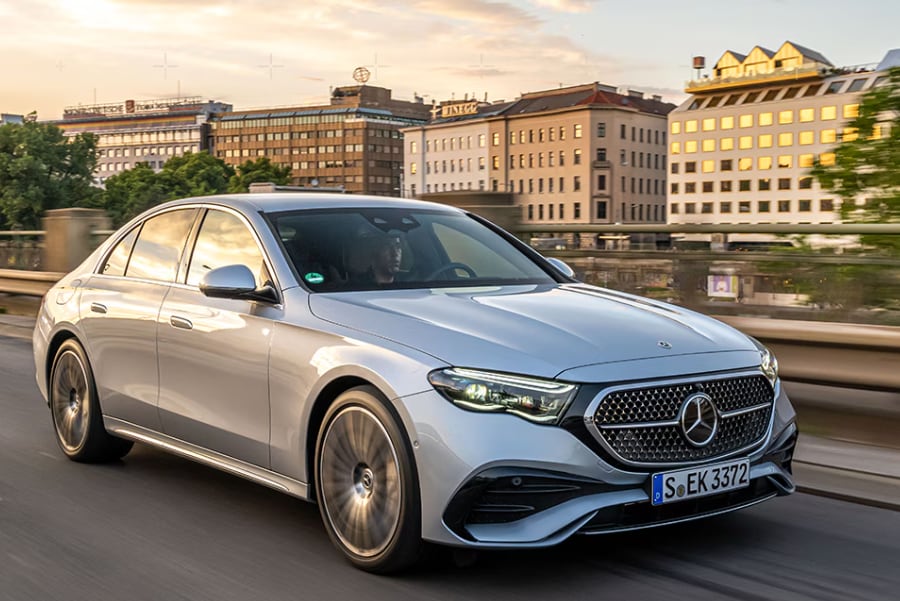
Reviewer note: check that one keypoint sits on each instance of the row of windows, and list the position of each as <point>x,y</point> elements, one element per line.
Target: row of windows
<point>743,185</point>
<point>826,205</point>
<point>639,211</point>
<point>275,152</point>
<point>144,151</point>
<point>180,135</point>
<point>637,134</point>
<point>781,161</point>
<point>814,89</point>
<point>785,117</point>
<point>452,186</point>
<point>309,120</point>
<point>560,213</point>
<point>803,138</point>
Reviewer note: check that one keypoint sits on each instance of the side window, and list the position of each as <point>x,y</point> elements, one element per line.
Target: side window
<point>159,246</point>
<point>225,240</point>
<point>118,258</point>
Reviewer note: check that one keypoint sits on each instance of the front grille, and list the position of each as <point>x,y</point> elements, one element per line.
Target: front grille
<point>640,426</point>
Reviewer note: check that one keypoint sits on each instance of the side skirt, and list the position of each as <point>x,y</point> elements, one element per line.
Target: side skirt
<point>219,461</point>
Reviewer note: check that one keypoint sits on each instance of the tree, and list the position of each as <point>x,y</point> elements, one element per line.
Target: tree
<point>41,169</point>
<point>260,170</point>
<point>866,160</point>
<point>133,191</point>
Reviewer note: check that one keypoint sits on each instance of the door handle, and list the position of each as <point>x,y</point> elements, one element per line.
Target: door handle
<point>181,323</point>
<point>98,308</point>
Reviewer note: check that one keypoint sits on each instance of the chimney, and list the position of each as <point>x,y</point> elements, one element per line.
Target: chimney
<point>635,94</point>
<point>657,97</point>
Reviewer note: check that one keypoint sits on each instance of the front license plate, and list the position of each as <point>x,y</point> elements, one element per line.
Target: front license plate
<point>691,483</point>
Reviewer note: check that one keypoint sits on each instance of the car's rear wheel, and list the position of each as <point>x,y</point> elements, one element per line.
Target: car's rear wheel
<point>76,411</point>
<point>366,484</point>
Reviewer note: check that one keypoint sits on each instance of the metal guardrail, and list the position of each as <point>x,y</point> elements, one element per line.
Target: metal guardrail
<point>29,283</point>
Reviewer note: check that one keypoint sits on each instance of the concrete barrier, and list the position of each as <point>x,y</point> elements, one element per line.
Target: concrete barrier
<point>29,283</point>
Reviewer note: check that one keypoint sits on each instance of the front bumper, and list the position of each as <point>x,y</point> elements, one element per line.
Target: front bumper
<point>498,481</point>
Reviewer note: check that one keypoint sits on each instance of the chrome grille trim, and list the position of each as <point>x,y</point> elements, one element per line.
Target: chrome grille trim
<point>600,430</point>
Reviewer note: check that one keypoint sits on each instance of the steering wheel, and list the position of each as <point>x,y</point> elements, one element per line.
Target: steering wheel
<point>454,265</point>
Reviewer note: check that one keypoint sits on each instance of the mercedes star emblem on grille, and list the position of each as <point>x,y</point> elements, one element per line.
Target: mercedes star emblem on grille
<point>699,419</point>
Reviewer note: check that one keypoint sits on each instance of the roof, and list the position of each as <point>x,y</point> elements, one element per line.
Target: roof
<point>591,95</point>
<point>293,201</point>
<point>808,53</point>
<point>736,55</point>
<point>891,59</point>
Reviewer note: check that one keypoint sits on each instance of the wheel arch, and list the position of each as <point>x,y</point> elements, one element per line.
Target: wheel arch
<point>57,341</point>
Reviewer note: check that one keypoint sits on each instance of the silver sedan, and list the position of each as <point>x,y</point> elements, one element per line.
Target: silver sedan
<point>420,374</point>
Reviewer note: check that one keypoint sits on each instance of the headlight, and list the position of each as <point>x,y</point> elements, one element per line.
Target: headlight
<point>767,362</point>
<point>542,401</point>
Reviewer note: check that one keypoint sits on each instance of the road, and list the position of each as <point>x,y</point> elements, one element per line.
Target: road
<point>157,527</point>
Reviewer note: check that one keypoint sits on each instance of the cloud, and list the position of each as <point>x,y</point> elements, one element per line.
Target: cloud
<point>566,6</point>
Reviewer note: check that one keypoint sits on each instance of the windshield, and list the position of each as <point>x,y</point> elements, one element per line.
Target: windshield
<point>368,249</point>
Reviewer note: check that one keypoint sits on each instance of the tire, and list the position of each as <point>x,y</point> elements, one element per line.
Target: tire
<point>75,409</point>
<point>366,484</point>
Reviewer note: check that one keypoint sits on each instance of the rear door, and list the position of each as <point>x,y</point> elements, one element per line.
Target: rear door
<point>119,307</point>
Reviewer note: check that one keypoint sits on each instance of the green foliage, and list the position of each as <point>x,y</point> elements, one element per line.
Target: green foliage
<point>866,163</point>
<point>133,191</point>
<point>40,169</point>
<point>260,170</point>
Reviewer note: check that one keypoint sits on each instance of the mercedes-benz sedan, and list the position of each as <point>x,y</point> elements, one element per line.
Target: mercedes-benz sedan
<point>420,374</point>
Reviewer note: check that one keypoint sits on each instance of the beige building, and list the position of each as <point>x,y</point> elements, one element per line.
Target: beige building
<point>742,145</point>
<point>582,154</point>
<point>148,131</point>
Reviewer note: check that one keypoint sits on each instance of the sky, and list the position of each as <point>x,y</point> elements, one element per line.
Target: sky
<point>269,53</point>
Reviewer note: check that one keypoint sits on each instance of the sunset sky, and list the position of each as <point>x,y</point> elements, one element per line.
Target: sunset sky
<point>260,53</point>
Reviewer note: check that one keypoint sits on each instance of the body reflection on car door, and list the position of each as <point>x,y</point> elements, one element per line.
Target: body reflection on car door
<point>214,352</point>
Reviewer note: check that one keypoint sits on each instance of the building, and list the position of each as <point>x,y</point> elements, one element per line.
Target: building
<point>354,142</point>
<point>742,145</point>
<point>149,131</point>
<point>582,154</point>
<point>8,118</point>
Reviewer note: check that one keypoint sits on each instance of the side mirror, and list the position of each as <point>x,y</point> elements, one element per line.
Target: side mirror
<point>561,266</point>
<point>236,282</point>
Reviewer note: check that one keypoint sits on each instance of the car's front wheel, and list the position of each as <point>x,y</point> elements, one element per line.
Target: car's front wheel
<point>76,411</point>
<point>366,485</point>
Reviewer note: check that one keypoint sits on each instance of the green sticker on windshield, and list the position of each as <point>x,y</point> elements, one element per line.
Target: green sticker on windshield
<point>314,278</point>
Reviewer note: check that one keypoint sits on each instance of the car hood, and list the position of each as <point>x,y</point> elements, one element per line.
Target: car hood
<point>539,330</point>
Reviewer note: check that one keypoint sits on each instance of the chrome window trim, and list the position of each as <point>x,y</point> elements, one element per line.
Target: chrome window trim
<point>192,237</point>
<point>598,398</point>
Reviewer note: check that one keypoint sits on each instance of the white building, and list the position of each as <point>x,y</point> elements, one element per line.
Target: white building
<point>742,145</point>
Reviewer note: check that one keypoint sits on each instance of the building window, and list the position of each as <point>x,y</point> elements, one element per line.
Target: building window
<point>690,126</point>
<point>480,163</point>
<point>744,185</point>
<point>786,139</point>
<point>765,141</point>
<point>804,206</point>
<point>744,206</point>
<point>828,113</point>
<point>690,167</point>
<point>725,165</point>
<point>851,111</point>
<point>785,161</point>
<point>690,188</point>
<point>826,205</point>
<point>725,185</point>
<point>784,183</point>
<point>709,124</point>
<point>601,154</point>
<point>706,207</point>
<point>805,160</point>
<point>550,211</point>
<point>601,130</point>
<point>708,166</point>
<point>540,211</point>
<point>576,158</point>
<point>495,162</point>
<point>726,144</point>
<point>765,184</point>
<point>764,119</point>
<point>480,140</point>
<point>412,168</point>
<point>676,127</point>
<point>827,136</point>
<point>784,206</point>
<point>530,211</point>
<point>725,207</point>
<point>601,209</point>
<point>495,138</point>
<point>541,191</point>
<point>785,117</point>
<point>601,182</point>
<point>690,146</point>
<point>745,142</point>
<point>763,206</point>
<point>675,167</point>
<point>708,187</point>
<point>413,147</point>
<point>576,183</point>
<point>805,183</point>
<point>673,188</point>
<point>676,148</point>
<point>622,157</point>
<point>576,133</point>
<point>690,207</point>
<point>708,145</point>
